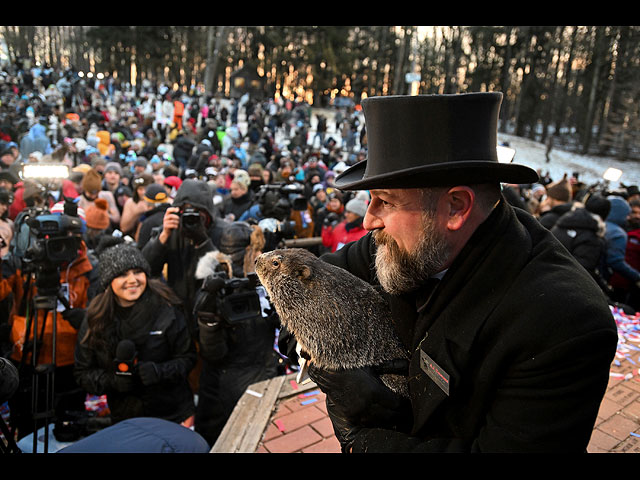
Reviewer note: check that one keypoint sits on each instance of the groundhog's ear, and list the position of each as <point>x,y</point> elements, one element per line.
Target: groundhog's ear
<point>303,272</point>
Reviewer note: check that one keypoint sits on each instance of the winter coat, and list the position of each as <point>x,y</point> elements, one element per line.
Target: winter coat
<point>632,257</point>
<point>616,240</point>
<point>150,220</point>
<point>582,233</point>
<point>178,253</point>
<point>35,140</point>
<point>507,335</point>
<point>550,217</point>
<point>77,275</point>
<point>168,344</point>
<point>237,206</point>
<point>337,237</point>
<point>183,148</point>
<point>105,146</point>
<point>235,355</point>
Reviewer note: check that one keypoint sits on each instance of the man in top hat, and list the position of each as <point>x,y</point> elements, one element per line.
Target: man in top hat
<point>510,340</point>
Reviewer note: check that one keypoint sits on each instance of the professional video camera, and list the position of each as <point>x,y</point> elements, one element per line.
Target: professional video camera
<point>276,203</point>
<point>231,299</point>
<point>54,240</point>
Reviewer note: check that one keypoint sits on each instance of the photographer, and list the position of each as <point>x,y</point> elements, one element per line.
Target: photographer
<point>54,264</point>
<point>134,345</point>
<point>189,230</point>
<point>236,334</point>
<point>280,211</point>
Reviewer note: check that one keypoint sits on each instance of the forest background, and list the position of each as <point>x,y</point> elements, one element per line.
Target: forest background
<point>575,86</point>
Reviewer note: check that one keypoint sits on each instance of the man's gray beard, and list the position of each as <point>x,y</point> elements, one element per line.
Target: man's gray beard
<point>399,271</point>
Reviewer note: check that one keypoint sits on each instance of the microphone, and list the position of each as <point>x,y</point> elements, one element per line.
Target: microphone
<point>9,380</point>
<point>125,360</point>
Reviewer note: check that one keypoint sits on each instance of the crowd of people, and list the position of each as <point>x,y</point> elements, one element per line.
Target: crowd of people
<point>170,188</point>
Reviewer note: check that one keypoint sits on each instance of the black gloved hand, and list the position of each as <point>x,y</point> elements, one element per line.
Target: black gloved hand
<point>74,316</point>
<point>357,398</point>
<point>287,345</point>
<point>148,373</point>
<point>213,338</point>
<point>331,219</point>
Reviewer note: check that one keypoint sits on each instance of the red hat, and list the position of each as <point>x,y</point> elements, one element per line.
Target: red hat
<point>173,181</point>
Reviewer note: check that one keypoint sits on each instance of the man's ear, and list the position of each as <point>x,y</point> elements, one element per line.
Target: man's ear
<point>460,201</point>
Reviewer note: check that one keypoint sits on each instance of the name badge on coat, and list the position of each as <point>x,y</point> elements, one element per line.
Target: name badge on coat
<point>434,371</point>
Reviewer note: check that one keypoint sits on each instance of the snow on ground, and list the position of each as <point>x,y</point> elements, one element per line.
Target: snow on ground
<point>530,153</point>
<point>591,168</point>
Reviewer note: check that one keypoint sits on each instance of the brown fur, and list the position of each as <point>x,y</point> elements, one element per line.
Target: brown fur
<point>339,320</point>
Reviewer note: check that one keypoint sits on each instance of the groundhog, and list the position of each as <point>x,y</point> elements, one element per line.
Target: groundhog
<point>339,320</point>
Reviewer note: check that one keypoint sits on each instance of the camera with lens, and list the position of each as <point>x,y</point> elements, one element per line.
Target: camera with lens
<point>231,299</point>
<point>48,241</point>
<point>56,239</point>
<point>189,217</point>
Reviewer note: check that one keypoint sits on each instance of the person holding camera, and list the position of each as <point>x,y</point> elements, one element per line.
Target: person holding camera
<point>189,230</point>
<point>134,345</point>
<point>53,266</point>
<point>236,327</point>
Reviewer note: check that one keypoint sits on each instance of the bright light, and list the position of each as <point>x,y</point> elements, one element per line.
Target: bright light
<point>612,174</point>
<point>40,170</point>
<point>505,154</point>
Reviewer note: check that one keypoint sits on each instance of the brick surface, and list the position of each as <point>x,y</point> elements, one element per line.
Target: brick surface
<point>601,442</point>
<point>299,418</point>
<point>307,428</point>
<point>618,426</point>
<point>328,445</point>
<point>294,441</point>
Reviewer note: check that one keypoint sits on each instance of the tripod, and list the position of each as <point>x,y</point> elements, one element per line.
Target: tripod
<point>48,288</point>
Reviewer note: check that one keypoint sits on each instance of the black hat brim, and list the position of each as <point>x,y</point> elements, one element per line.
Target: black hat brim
<point>437,175</point>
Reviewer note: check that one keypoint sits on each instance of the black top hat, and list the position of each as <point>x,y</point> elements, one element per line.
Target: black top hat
<point>432,140</point>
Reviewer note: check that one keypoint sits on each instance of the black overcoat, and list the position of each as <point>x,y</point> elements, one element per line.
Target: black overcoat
<point>512,351</point>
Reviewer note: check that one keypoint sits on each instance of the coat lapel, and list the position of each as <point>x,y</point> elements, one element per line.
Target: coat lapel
<point>450,321</point>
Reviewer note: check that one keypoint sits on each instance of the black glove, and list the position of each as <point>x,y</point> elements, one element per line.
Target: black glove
<point>287,345</point>
<point>213,338</point>
<point>74,316</point>
<point>148,373</point>
<point>331,219</point>
<point>357,398</point>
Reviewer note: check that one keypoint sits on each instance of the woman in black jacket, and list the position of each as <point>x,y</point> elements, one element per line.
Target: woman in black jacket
<point>134,345</point>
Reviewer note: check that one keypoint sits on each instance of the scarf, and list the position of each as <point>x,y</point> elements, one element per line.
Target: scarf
<point>135,322</point>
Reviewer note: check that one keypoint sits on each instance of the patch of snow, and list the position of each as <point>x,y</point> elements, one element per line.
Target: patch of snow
<point>590,168</point>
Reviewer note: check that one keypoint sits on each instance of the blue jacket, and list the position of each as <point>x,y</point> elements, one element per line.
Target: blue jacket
<point>616,240</point>
<point>35,141</point>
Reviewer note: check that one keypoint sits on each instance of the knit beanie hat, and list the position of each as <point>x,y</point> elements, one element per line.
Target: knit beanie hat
<point>97,215</point>
<point>113,166</point>
<point>560,190</point>
<point>241,177</point>
<point>356,206</point>
<point>92,181</point>
<point>115,261</point>
<point>599,205</point>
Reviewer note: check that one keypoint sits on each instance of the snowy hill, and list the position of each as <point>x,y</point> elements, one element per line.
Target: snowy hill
<point>532,154</point>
